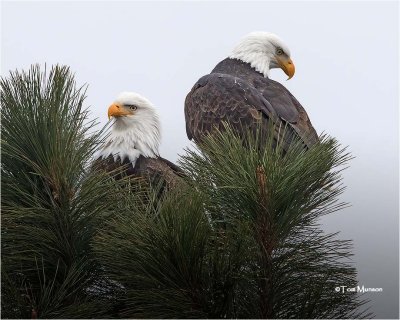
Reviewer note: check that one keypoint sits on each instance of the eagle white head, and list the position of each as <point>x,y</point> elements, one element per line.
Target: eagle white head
<point>264,51</point>
<point>136,129</point>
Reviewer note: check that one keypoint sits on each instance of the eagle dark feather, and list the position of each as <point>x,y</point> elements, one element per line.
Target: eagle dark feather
<point>153,169</point>
<point>236,93</point>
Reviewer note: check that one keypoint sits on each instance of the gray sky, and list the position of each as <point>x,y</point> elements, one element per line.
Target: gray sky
<point>346,57</point>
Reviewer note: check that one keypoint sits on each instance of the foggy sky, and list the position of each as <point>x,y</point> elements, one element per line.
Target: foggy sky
<point>346,57</point>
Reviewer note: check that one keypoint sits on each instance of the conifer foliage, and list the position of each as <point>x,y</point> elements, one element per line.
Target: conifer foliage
<point>238,239</point>
<point>241,239</point>
<point>51,204</point>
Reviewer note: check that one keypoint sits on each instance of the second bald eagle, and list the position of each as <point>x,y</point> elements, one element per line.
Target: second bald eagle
<point>239,92</point>
<point>133,142</point>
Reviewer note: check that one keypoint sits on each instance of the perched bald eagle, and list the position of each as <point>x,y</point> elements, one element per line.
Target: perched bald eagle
<point>134,141</point>
<point>239,92</point>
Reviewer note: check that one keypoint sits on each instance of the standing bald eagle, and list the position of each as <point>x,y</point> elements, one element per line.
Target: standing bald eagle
<point>239,92</point>
<point>134,141</point>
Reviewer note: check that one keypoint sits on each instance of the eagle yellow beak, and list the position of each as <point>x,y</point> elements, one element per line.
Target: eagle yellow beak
<point>287,66</point>
<point>117,111</point>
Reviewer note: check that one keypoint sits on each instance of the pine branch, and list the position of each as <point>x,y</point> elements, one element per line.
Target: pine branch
<point>280,195</point>
<point>241,239</point>
<point>51,205</point>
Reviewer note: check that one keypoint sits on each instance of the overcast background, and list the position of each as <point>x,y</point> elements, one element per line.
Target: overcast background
<point>346,57</point>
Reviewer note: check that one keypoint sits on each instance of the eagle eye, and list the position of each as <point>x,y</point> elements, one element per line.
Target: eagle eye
<point>131,106</point>
<point>279,51</point>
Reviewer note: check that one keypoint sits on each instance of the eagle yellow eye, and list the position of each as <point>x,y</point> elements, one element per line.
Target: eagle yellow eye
<point>279,51</point>
<point>132,107</point>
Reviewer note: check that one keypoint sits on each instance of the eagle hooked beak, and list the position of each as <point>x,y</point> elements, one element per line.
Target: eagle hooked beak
<point>287,66</point>
<point>117,111</point>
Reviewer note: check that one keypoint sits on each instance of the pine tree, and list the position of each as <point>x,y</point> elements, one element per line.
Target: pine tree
<point>51,204</point>
<point>240,238</point>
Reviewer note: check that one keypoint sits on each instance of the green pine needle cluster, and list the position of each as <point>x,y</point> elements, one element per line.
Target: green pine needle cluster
<point>51,204</point>
<point>240,238</point>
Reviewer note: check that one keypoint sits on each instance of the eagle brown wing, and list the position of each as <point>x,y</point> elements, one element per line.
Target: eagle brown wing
<point>288,108</point>
<point>153,169</point>
<point>218,98</point>
<point>157,169</point>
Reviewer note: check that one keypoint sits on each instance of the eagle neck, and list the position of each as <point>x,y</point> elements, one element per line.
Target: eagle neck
<point>257,60</point>
<point>237,68</point>
<point>131,139</point>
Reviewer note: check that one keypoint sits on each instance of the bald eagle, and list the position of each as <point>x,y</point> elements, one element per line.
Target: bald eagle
<point>134,141</point>
<point>239,92</point>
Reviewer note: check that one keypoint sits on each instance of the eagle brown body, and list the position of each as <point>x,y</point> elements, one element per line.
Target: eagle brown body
<point>152,169</point>
<point>236,93</point>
